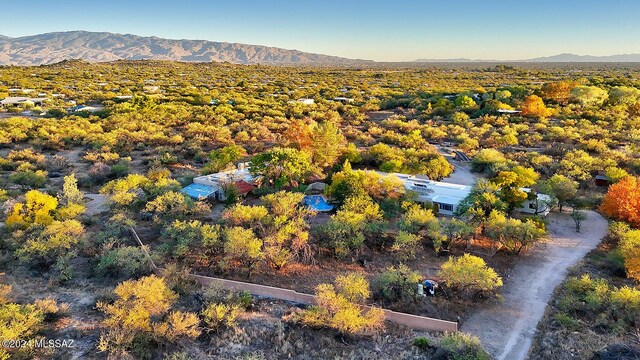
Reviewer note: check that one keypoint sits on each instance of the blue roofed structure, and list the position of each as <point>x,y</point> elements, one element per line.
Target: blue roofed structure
<point>199,191</point>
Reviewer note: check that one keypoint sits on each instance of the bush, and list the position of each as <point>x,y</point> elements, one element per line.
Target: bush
<point>470,274</point>
<point>338,307</point>
<point>607,307</point>
<point>28,178</point>
<point>460,346</point>
<point>140,316</point>
<point>217,315</point>
<point>126,261</point>
<point>406,245</point>
<point>422,343</point>
<point>397,284</point>
<point>45,246</point>
<point>630,250</point>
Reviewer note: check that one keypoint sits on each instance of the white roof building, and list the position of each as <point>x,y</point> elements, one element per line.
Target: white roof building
<point>447,196</point>
<point>217,181</point>
<point>13,100</point>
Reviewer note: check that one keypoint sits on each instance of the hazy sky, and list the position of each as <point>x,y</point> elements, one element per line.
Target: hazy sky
<point>378,30</point>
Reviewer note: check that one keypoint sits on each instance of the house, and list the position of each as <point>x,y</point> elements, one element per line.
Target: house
<point>343,99</point>
<point>446,197</point>
<point>213,186</point>
<point>541,205</point>
<point>15,100</point>
<point>78,108</point>
<point>508,111</point>
<point>306,101</point>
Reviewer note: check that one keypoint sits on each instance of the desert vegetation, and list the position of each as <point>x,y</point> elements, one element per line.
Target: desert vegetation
<point>73,184</point>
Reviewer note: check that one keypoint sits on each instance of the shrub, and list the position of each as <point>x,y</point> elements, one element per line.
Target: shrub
<point>217,315</point>
<point>460,346</point>
<point>470,274</point>
<point>44,246</point>
<point>422,343</point>
<point>30,179</point>
<point>127,261</point>
<point>338,307</point>
<point>397,283</point>
<point>406,244</point>
<point>630,250</point>
<point>140,314</point>
<point>36,209</point>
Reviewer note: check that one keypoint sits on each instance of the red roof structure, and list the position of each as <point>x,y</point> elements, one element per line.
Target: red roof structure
<point>244,187</point>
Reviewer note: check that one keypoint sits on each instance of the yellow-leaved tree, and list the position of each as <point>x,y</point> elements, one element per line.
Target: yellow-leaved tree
<point>339,306</point>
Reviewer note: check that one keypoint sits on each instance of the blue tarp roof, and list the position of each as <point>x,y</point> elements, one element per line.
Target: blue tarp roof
<point>198,191</point>
<point>317,203</point>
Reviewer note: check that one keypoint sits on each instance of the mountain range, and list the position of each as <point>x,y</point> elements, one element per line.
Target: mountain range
<point>104,46</point>
<point>546,59</point>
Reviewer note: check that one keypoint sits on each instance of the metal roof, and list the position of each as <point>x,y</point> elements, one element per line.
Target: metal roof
<point>198,191</point>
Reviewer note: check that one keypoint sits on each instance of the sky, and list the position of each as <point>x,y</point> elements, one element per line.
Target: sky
<point>395,30</point>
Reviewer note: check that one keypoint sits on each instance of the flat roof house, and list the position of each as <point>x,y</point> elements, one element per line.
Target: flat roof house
<point>447,196</point>
<point>14,100</point>
<point>212,185</point>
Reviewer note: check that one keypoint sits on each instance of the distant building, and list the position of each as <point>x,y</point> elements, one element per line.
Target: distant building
<point>79,108</point>
<point>15,100</point>
<point>602,180</point>
<point>306,101</point>
<point>507,111</point>
<point>343,99</point>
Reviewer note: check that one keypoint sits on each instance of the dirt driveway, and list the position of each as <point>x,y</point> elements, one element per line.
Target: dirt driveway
<point>461,174</point>
<point>506,329</point>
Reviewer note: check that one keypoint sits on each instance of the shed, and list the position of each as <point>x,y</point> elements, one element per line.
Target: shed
<point>602,180</point>
<point>244,187</point>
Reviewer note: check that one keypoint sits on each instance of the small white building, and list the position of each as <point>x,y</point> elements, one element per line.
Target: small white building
<point>306,101</point>
<point>15,100</point>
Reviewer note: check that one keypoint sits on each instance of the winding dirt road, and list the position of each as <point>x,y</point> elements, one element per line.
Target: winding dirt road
<point>506,329</point>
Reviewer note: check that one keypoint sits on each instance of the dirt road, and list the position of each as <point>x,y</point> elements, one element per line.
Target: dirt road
<point>507,328</point>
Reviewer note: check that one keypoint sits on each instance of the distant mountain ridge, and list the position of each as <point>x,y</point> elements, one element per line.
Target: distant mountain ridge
<point>566,57</point>
<point>104,46</point>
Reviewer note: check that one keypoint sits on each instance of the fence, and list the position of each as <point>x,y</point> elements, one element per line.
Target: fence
<point>413,321</point>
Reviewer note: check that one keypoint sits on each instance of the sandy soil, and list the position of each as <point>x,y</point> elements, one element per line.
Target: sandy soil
<point>507,328</point>
<point>97,204</point>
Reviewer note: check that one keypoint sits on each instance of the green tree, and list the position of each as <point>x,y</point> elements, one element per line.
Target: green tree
<point>281,166</point>
<point>630,250</point>
<point>37,209</point>
<point>241,245</point>
<point>327,144</point>
<point>397,283</point>
<point>339,307</point>
<point>560,187</point>
<point>469,273</point>
<point>224,158</point>
<point>514,234</point>
<point>488,161</point>
<point>588,95</point>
